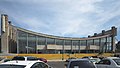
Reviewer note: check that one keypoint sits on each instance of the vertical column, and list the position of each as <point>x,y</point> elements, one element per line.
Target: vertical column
<point>4,34</point>
<point>46,45</point>
<point>17,39</point>
<point>114,33</point>
<point>63,46</point>
<point>71,46</point>
<point>55,45</point>
<point>106,44</point>
<point>63,50</point>
<point>27,44</point>
<point>113,43</point>
<point>36,44</point>
<point>86,47</point>
<point>93,42</point>
<point>79,45</point>
<point>100,46</point>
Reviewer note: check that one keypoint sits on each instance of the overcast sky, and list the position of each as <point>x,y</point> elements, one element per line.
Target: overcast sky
<point>68,18</point>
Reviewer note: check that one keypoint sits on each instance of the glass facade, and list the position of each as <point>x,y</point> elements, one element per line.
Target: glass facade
<point>28,43</point>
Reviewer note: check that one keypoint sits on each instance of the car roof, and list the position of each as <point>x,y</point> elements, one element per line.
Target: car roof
<point>20,62</point>
<point>112,57</point>
<point>79,60</point>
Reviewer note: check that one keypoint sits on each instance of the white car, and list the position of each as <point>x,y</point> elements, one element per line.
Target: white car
<point>24,64</point>
<point>109,62</point>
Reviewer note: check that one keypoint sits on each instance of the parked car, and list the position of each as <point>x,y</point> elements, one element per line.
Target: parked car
<point>5,60</point>
<point>70,59</point>
<point>24,64</point>
<point>80,63</point>
<point>109,62</point>
<point>42,59</point>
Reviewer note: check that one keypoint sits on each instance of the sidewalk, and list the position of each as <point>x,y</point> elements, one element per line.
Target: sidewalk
<point>55,60</point>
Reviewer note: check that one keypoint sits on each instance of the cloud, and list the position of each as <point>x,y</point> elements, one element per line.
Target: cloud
<point>73,18</point>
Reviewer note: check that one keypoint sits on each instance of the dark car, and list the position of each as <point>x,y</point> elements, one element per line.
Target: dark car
<point>80,63</point>
<point>70,59</point>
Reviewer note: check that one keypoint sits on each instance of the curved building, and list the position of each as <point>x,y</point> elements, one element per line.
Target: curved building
<point>18,40</point>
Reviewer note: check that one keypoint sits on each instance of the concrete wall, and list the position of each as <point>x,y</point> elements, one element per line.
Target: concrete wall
<point>4,34</point>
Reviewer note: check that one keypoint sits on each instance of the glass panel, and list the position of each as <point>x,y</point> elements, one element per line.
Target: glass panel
<point>41,40</point>
<point>22,41</point>
<point>83,43</point>
<point>103,44</point>
<point>89,42</point>
<point>75,43</point>
<point>68,42</point>
<point>31,43</point>
<point>67,46</point>
<point>96,42</point>
<point>109,44</point>
<point>59,42</point>
<point>50,41</point>
<point>75,46</point>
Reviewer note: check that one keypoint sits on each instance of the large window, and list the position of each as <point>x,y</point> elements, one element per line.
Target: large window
<point>75,43</point>
<point>103,44</point>
<point>76,46</point>
<point>22,41</point>
<point>109,44</point>
<point>31,43</point>
<point>96,42</point>
<point>41,40</point>
<point>59,42</point>
<point>89,42</point>
<point>50,41</point>
<point>83,43</point>
<point>68,42</point>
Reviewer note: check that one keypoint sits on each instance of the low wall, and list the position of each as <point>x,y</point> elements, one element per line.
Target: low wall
<point>61,56</point>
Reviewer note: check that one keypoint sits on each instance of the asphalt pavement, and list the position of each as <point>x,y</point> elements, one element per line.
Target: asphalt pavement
<point>57,64</point>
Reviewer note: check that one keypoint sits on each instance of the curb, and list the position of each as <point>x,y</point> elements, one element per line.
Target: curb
<point>54,60</point>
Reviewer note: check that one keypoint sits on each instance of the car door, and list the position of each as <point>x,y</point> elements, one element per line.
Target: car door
<point>107,62</point>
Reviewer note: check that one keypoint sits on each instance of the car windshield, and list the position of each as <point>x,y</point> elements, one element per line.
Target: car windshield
<point>81,64</point>
<point>31,58</point>
<point>117,61</point>
<point>18,58</point>
<point>95,60</point>
<point>11,66</point>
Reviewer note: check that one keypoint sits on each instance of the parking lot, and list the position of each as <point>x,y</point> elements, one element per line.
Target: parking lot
<point>84,62</point>
<point>57,64</point>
